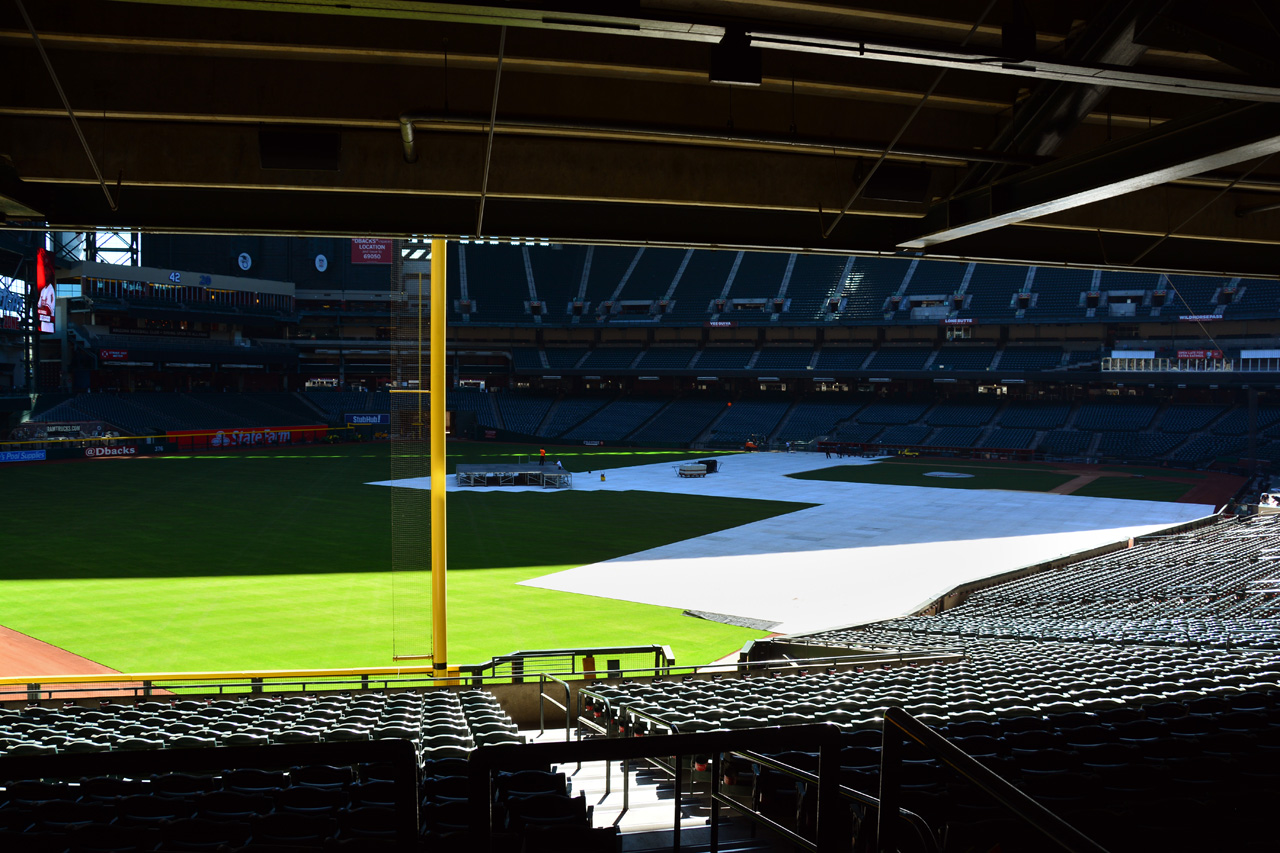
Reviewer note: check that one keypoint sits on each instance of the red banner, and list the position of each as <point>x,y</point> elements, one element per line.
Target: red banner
<point>113,354</point>
<point>1199,353</point>
<point>256,436</point>
<point>370,251</point>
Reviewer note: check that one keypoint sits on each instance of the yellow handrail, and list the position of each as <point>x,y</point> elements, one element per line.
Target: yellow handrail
<point>114,677</point>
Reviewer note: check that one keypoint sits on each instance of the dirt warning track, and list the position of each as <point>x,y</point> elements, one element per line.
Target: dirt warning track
<point>26,657</point>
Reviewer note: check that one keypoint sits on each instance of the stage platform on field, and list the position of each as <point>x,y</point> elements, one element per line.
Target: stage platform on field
<point>513,474</point>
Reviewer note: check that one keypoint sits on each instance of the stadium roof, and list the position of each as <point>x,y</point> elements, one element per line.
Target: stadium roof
<point>1092,132</point>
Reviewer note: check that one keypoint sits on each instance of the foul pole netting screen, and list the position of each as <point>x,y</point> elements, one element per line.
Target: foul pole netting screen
<point>410,457</point>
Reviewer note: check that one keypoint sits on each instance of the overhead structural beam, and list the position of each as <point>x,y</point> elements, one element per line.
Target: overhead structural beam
<point>1213,30</point>
<point>1040,68</point>
<point>1169,152</point>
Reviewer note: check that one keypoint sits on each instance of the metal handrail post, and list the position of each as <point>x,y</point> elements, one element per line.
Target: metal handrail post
<point>828,818</point>
<point>675,829</point>
<point>715,799</point>
<point>890,762</point>
<point>1053,827</point>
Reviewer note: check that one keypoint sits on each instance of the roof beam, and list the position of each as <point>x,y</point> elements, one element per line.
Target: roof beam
<point>1040,68</point>
<point>1178,149</point>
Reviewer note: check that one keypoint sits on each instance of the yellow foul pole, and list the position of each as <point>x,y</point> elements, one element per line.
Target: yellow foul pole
<point>439,546</point>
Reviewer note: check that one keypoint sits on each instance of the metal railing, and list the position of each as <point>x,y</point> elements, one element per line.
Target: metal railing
<point>899,724</point>
<point>520,667</point>
<point>927,837</point>
<point>543,697</point>
<point>824,736</point>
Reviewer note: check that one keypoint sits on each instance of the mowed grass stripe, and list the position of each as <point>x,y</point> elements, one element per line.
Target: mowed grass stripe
<point>279,559</point>
<point>889,474</point>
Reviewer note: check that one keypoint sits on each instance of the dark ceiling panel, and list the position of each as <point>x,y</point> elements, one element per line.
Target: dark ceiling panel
<point>609,128</point>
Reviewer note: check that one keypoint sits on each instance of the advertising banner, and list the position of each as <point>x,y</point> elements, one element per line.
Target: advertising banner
<point>22,456</point>
<point>113,354</point>
<point>1199,353</point>
<point>368,419</point>
<point>1198,318</point>
<point>102,452</point>
<point>370,251</point>
<point>46,291</point>
<point>252,437</point>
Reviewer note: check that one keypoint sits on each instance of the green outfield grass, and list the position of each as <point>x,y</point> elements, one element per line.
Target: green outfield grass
<point>279,558</point>
<point>1154,472</point>
<point>1134,488</point>
<point>912,473</point>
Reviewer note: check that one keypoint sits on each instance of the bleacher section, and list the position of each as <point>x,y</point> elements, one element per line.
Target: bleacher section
<point>724,358</point>
<point>892,413</point>
<point>526,358</point>
<point>900,358</point>
<point>909,434</point>
<point>961,414</point>
<point>1063,442</point>
<point>990,291</point>
<point>1257,297</point>
<point>608,265</point>
<point>955,437</point>
<point>564,358</point>
<point>653,274</point>
<point>814,280</point>
<point>557,273</point>
<point>941,278</point>
<point>570,411</point>
<point>1010,439</point>
<point>1128,445</point>
<point>473,400</point>
<point>759,277</point>
<point>856,433</point>
<point>681,422</point>
<point>666,358</point>
<point>812,419</point>
<point>523,414</point>
<point>1035,415</point>
<point>497,283</point>
<point>146,413</point>
<point>1030,358</point>
<point>1205,448</point>
<point>1058,293</point>
<point>746,419</point>
<point>870,283</point>
<point>1117,415</point>
<point>341,806</point>
<point>1236,422</point>
<point>703,280</point>
<point>338,403</point>
<point>964,358</point>
<point>1188,418</point>
<point>615,421</point>
<point>838,359</point>
<point>783,358</point>
<point>610,358</point>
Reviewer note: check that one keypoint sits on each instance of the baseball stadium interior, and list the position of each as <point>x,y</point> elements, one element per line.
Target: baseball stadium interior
<point>1016,246</point>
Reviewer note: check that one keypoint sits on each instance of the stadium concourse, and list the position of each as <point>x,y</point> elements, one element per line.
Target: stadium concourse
<point>862,553</point>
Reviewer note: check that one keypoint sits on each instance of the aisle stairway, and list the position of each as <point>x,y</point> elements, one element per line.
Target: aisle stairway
<point>641,803</point>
